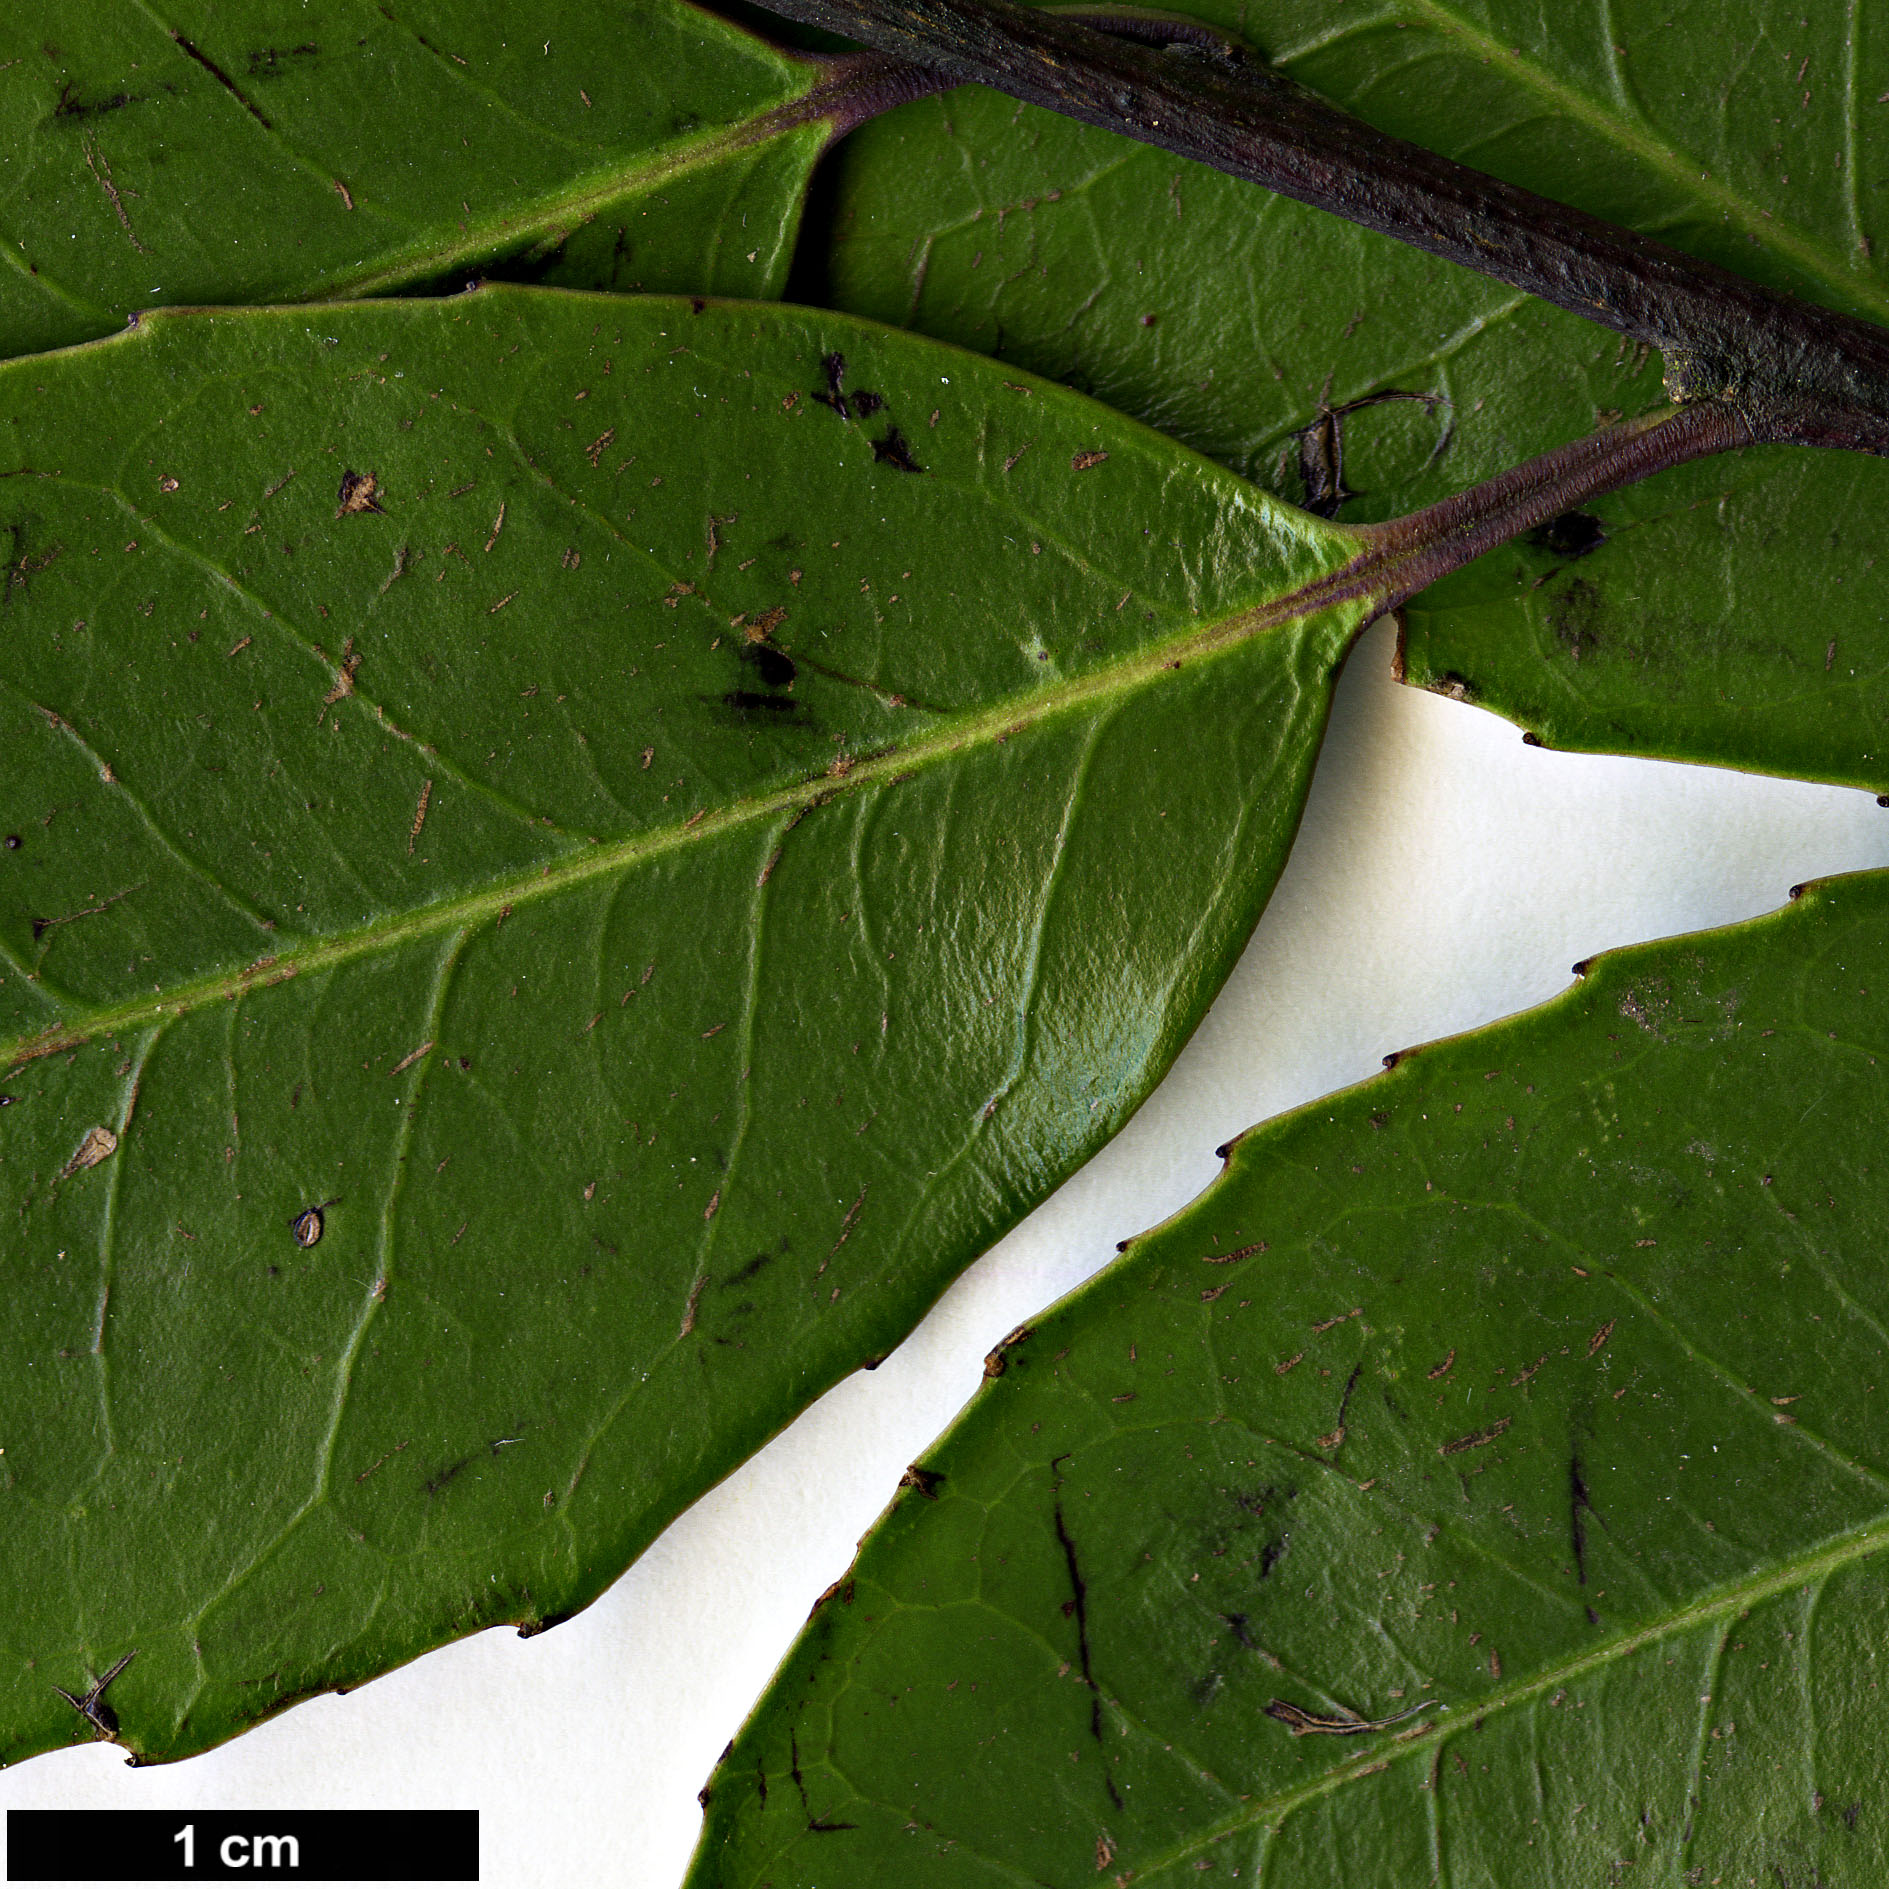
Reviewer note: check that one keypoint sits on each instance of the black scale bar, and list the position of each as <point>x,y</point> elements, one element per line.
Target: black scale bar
<point>242,1845</point>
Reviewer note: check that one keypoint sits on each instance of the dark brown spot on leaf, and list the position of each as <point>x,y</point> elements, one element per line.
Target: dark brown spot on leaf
<point>72,106</point>
<point>1572,535</point>
<point>360,492</point>
<point>1475,1440</point>
<point>1574,616</point>
<point>893,451</point>
<point>271,62</point>
<point>777,669</point>
<point>835,397</point>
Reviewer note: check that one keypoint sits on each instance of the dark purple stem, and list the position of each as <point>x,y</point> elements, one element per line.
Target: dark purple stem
<point>1418,549</point>
<point>1793,370</point>
<point>857,86</point>
<point>1398,559</point>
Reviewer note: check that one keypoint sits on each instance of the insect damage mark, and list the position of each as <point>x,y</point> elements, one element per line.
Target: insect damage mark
<point>1340,1724</point>
<point>715,522</point>
<point>1457,688</point>
<point>101,171</point>
<point>997,1361</point>
<point>926,1481</point>
<point>191,51</point>
<point>442,1479</point>
<point>1322,449</point>
<point>1475,1440</point>
<point>1574,615</point>
<point>776,669</point>
<point>1571,536</point>
<point>1580,1506</point>
<point>748,704</point>
<point>1077,1607</point>
<point>1236,1625</point>
<point>819,1825</point>
<point>1238,1253</point>
<point>765,624</point>
<point>91,1706</point>
<point>404,561</point>
<point>419,816</point>
<point>99,1145</point>
<point>847,1225</point>
<point>695,1300</point>
<point>383,1457</point>
<point>273,62</point>
<point>842,1587</point>
<point>1256,1503</point>
<point>758,1264</point>
<point>23,564</point>
<point>360,492</point>
<point>1334,1438</point>
<point>72,109</point>
<point>344,680</point>
<point>43,925</point>
<point>892,450</point>
<point>834,367</point>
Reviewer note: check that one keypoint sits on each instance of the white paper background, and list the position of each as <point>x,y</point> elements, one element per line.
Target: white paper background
<point>1446,875</point>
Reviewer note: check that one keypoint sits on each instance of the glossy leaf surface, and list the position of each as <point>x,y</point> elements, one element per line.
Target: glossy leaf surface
<point>266,152</point>
<point>664,826</point>
<point>1670,620</point>
<point>1530,1396</point>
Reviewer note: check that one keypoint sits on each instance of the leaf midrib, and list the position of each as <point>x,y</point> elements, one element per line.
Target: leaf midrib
<point>1371,574</point>
<point>559,214</point>
<point>1854,1545</point>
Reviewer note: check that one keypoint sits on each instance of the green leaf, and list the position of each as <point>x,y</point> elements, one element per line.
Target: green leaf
<point>259,152</point>
<point>1530,1396</point>
<point>665,826</point>
<point>1684,631</point>
<point>1668,621</point>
